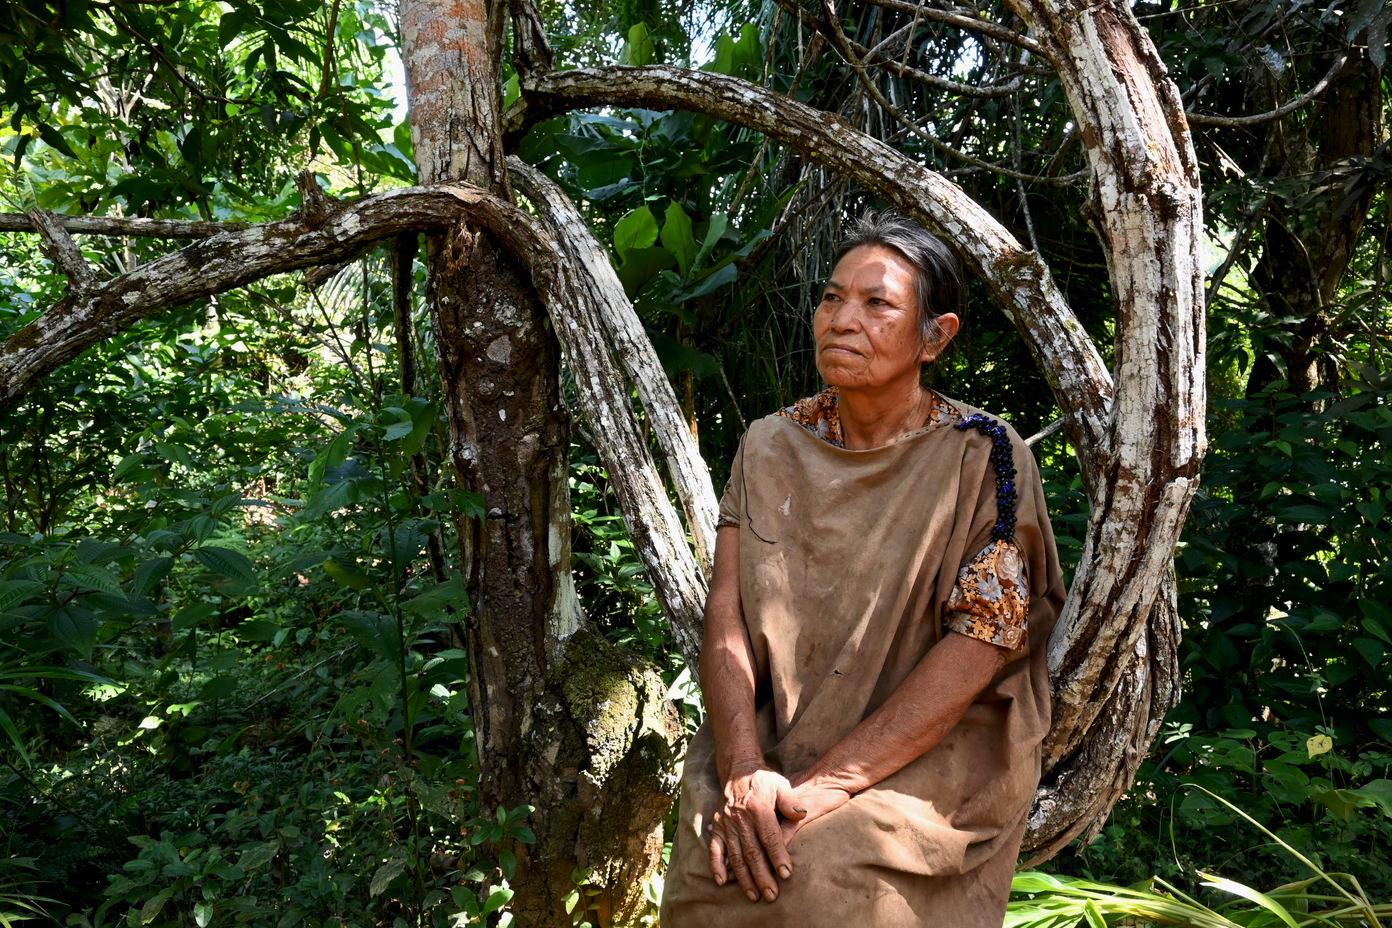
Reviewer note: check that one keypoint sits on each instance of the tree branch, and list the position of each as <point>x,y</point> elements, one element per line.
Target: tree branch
<point>969,23</point>
<point>234,259</point>
<point>624,329</point>
<point>585,299</point>
<point>1019,281</point>
<point>1238,122</point>
<point>118,225</point>
<point>59,248</point>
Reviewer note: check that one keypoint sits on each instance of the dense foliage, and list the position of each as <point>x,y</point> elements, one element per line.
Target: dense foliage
<point>231,683</point>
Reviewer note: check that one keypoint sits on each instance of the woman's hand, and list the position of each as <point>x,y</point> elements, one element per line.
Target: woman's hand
<point>746,836</point>
<point>812,797</point>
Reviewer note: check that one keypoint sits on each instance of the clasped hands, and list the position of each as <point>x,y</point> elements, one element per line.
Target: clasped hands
<point>763,810</point>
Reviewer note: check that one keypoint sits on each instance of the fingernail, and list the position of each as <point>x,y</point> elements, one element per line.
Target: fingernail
<point>784,872</point>
<point>753,896</point>
<point>799,809</point>
<point>720,881</point>
<point>770,895</point>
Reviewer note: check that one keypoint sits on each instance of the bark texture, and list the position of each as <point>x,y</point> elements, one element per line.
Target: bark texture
<point>564,721</point>
<point>1112,657</point>
<point>585,286</point>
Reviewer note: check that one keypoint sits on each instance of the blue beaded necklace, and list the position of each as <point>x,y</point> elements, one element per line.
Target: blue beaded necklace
<point>1003,461</point>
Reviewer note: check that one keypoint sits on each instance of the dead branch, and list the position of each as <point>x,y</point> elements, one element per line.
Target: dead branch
<point>119,225</point>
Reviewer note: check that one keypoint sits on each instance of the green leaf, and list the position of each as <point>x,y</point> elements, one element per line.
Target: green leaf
<point>148,573</point>
<point>636,230</point>
<point>1370,649</point>
<point>375,633</point>
<point>174,454</point>
<point>498,897</point>
<point>234,565</point>
<point>345,576</point>
<point>128,464</point>
<point>1247,892</point>
<point>231,25</point>
<point>641,267</point>
<point>385,874</point>
<point>189,616</point>
<point>258,855</point>
<point>424,415</point>
<point>218,687</point>
<point>718,224</point>
<point>54,138</point>
<point>332,455</point>
<point>93,578</point>
<point>399,428</point>
<point>638,49</point>
<point>677,237</point>
<point>74,629</point>
<point>1377,793</point>
<point>712,281</point>
<point>439,598</point>
<point>257,630</point>
<point>15,592</point>
<point>676,357</point>
<point>154,904</point>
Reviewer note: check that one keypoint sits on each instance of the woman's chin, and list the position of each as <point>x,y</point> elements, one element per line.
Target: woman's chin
<point>844,376</point>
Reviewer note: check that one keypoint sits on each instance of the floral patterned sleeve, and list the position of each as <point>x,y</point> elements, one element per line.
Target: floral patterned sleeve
<point>990,600</point>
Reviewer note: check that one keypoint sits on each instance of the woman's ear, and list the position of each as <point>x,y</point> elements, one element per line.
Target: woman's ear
<point>946,330</point>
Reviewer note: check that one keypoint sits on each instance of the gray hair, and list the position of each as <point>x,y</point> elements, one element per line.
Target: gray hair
<point>938,282</point>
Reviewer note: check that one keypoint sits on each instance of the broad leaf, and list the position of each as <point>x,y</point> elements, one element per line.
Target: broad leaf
<point>637,230</point>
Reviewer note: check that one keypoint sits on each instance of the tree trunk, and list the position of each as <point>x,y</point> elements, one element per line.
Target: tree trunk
<point>564,721</point>
<point>1306,254</point>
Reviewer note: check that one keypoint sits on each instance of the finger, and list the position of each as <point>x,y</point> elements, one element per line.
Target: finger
<point>771,837</point>
<point>789,805</point>
<point>754,856</point>
<point>734,850</point>
<point>717,859</point>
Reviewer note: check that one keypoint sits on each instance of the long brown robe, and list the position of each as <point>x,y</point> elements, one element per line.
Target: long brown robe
<point>847,560</point>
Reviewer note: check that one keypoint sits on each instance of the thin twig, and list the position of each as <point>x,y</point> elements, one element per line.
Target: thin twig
<point>858,67</point>
<point>1044,433</point>
<point>1238,122</point>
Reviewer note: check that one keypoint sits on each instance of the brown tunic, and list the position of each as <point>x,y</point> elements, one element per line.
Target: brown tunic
<point>848,560</point>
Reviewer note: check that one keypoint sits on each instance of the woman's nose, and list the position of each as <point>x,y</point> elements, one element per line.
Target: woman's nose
<point>846,318</point>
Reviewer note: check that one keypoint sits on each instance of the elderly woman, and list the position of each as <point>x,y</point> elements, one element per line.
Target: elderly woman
<point>873,666</point>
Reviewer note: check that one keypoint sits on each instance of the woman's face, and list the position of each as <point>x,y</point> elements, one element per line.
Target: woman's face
<point>867,327</point>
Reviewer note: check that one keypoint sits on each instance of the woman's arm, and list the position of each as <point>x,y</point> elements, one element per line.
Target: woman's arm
<point>727,664</point>
<point>925,707</point>
<point>745,835</point>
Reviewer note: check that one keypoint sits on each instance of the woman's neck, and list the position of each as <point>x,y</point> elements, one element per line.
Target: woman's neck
<point>874,418</point>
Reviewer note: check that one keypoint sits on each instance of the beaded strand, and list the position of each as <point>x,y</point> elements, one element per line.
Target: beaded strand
<point>1003,461</point>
